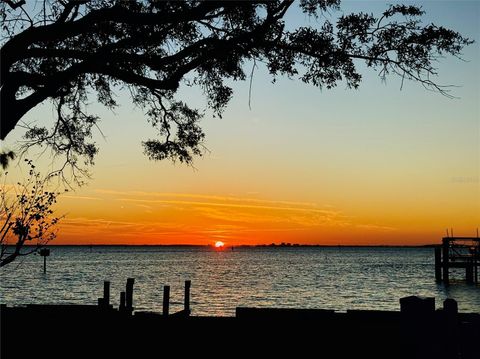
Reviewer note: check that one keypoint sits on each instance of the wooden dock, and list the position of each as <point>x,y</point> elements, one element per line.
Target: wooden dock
<point>418,330</point>
<point>457,252</point>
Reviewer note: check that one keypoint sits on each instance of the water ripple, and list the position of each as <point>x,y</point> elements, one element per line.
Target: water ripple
<point>329,278</point>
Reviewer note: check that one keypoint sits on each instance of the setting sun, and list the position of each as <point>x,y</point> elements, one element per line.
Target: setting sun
<point>219,244</point>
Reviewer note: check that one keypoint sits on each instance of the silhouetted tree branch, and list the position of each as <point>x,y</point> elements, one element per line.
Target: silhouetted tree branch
<point>68,49</point>
<point>26,216</point>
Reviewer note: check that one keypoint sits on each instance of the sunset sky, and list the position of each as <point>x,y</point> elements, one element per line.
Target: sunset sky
<point>378,165</point>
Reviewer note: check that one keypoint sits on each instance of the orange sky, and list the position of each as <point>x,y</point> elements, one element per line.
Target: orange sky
<point>137,217</point>
<point>375,166</point>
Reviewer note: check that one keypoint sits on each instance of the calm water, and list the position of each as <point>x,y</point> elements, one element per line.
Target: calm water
<point>328,278</point>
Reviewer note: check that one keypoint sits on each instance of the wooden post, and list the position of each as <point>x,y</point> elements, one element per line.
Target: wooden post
<point>450,328</point>
<point>450,306</point>
<point>166,299</point>
<point>445,263</point>
<point>438,264</point>
<point>476,270</point>
<point>121,308</point>
<point>106,293</point>
<point>129,295</point>
<point>469,273</point>
<point>186,301</point>
<point>476,255</point>
<point>44,252</point>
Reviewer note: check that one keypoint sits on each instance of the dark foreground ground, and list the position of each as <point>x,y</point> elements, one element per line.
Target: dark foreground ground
<point>91,332</point>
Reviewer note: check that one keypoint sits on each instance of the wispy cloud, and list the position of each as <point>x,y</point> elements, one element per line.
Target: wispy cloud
<point>203,217</point>
<point>231,205</point>
<point>147,209</point>
<point>101,226</point>
<point>193,196</point>
<point>375,227</point>
<point>86,198</point>
<point>233,209</point>
<point>96,223</point>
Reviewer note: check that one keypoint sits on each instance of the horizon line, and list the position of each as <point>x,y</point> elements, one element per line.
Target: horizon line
<point>286,245</point>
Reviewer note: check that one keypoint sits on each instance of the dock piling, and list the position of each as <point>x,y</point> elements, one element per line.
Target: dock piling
<point>121,308</point>
<point>129,295</point>
<point>166,300</point>
<point>469,273</point>
<point>445,254</point>
<point>476,258</point>
<point>186,302</point>
<point>438,264</point>
<point>44,252</point>
<point>106,293</point>
<point>450,306</point>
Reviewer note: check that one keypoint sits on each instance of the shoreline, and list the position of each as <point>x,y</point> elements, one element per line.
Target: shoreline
<point>416,331</point>
<point>292,245</point>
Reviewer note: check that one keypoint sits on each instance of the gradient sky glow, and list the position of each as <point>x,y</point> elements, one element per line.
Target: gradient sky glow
<point>378,165</point>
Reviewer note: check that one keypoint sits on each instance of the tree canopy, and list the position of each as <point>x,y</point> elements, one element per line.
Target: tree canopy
<point>66,51</point>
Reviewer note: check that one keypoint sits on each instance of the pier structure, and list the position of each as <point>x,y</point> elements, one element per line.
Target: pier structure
<point>457,252</point>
